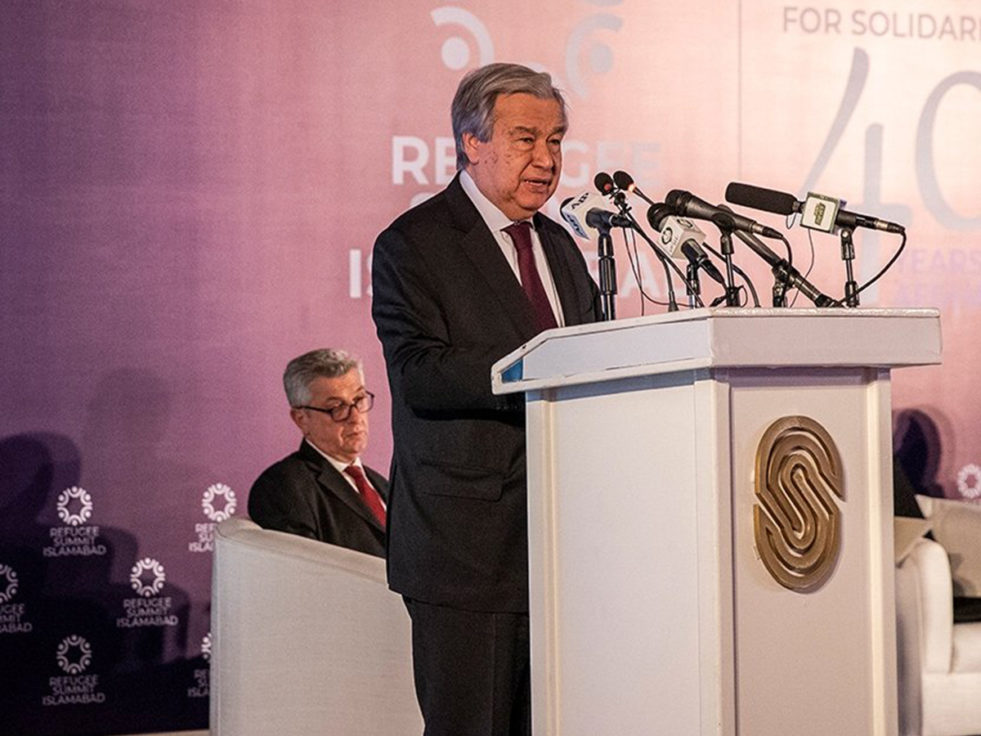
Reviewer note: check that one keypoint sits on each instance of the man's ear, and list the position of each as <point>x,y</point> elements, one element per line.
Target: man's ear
<point>300,419</point>
<point>471,147</point>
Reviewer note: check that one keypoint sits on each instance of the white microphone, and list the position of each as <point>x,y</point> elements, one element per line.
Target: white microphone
<point>682,239</point>
<point>820,212</point>
<point>588,210</point>
<point>677,230</point>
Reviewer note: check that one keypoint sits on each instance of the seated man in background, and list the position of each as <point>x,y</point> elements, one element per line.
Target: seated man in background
<point>322,490</point>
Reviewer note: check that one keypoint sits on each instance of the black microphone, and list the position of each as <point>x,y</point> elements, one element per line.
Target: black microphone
<point>783,270</point>
<point>686,203</point>
<point>604,183</point>
<point>698,258</point>
<point>680,236</point>
<point>852,220</point>
<point>818,212</point>
<point>604,219</point>
<point>626,182</point>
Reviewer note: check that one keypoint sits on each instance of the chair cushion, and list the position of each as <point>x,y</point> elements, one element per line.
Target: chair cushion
<point>956,525</point>
<point>967,648</point>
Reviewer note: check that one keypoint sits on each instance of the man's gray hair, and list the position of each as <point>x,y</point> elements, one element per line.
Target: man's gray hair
<point>472,110</point>
<point>300,372</point>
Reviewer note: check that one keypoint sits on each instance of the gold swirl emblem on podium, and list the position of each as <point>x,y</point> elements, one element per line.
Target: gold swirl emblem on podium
<point>797,522</point>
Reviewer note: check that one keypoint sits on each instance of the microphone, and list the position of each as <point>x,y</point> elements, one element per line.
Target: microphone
<point>818,212</point>
<point>681,238</point>
<point>607,187</point>
<point>759,198</point>
<point>783,270</point>
<point>588,210</point>
<point>687,204</point>
<point>604,183</point>
<point>626,182</point>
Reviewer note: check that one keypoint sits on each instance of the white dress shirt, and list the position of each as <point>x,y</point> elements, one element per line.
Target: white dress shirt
<point>496,221</point>
<point>341,465</point>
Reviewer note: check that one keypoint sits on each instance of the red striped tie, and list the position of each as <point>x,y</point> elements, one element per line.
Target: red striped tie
<point>371,497</point>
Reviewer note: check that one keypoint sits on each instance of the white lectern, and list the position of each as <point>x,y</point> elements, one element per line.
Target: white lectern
<point>710,521</point>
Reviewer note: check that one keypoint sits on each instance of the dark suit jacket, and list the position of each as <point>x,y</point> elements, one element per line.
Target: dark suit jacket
<point>447,305</point>
<point>306,495</point>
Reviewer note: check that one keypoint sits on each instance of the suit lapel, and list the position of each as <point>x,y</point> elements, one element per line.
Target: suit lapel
<point>380,483</point>
<point>332,482</point>
<point>565,283</point>
<point>482,249</point>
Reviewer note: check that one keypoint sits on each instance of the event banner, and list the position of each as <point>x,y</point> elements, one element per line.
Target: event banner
<point>190,194</point>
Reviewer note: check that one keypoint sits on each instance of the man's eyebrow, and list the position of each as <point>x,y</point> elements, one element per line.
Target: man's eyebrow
<point>340,398</point>
<point>531,129</point>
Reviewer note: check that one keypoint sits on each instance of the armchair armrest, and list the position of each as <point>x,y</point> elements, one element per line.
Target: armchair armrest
<point>925,606</point>
<point>307,639</point>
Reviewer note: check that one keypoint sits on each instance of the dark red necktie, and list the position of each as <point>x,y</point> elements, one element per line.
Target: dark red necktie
<point>369,494</point>
<point>531,282</point>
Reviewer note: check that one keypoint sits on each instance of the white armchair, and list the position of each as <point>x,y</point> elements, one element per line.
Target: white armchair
<point>939,662</point>
<point>307,639</point>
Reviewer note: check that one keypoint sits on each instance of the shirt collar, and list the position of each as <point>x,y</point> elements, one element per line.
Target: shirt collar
<point>489,212</point>
<point>339,464</point>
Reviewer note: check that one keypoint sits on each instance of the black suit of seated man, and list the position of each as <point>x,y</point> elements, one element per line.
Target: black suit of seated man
<point>311,492</point>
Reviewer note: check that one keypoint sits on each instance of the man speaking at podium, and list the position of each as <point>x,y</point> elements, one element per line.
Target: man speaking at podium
<point>460,281</point>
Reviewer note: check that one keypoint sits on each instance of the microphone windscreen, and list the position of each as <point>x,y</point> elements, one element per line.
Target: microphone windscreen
<point>677,200</point>
<point>622,179</point>
<point>758,198</point>
<point>656,214</point>
<point>603,182</point>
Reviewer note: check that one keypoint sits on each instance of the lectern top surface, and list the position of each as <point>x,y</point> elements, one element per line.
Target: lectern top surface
<point>723,337</point>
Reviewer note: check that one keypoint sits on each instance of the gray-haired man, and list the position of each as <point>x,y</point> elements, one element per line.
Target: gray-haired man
<point>322,490</point>
<point>458,282</point>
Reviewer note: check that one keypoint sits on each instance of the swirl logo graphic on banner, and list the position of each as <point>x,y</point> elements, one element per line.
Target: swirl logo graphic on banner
<point>228,505</point>
<point>969,481</point>
<point>8,578</point>
<point>156,580</point>
<point>797,521</point>
<point>202,675</point>
<point>216,512</point>
<point>455,52</point>
<point>147,578</point>
<point>599,55</point>
<point>82,509</point>
<point>75,506</point>
<point>74,656</point>
<point>12,615</point>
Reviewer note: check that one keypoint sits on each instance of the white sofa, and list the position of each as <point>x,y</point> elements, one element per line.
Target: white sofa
<point>307,639</point>
<point>939,662</point>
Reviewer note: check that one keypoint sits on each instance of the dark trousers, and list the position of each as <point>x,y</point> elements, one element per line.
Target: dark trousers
<point>472,671</point>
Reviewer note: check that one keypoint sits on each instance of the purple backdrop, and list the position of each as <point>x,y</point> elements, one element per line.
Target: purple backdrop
<point>190,191</point>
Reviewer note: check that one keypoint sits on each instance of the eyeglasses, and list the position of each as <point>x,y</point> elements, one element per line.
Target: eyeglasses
<point>342,411</point>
